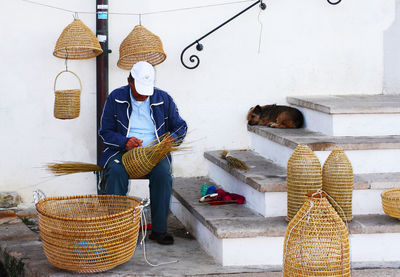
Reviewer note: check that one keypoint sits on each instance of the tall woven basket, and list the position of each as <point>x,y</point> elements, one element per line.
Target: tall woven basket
<point>139,161</point>
<point>67,104</point>
<point>391,202</point>
<point>140,45</point>
<point>77,42</point>
<point>90,233</point>
<point>337,182</point>
<point>316,241</point>
<point>303,176</point>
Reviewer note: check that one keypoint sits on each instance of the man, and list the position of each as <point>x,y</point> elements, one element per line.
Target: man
<point>134,116</point>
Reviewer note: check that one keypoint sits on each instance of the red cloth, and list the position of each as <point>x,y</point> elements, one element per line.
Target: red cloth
<point>226,196</point>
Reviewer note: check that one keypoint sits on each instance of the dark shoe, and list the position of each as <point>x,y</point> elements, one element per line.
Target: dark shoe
<point>161,238</point>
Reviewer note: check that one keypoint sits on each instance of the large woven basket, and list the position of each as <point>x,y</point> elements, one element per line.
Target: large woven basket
<point>303,176</point>
<point>391,202</point>
<point>337,182</point>
<point>90,233</point>
<point>140,45</point>
<point>316,241</point>
<point>77,42</point>
<point>67,103</point>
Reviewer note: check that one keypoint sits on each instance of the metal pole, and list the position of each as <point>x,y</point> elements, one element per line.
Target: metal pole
<point>101,65</point>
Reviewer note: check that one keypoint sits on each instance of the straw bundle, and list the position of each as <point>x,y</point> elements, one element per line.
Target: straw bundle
<point>91,233</point>
<point>140,161</point>
<point>77,41</point>
<point>316,241</point>
<point>140,45</point>
<point>303,176</point>
<point>391,202</point>
<point>65,168</point>
<point>337,182</point>
<point>67,103</point>
<point>233,162</point>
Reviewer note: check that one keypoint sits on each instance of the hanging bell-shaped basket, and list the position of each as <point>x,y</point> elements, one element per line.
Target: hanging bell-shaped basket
<point>303,176</point>
<point>67,104</point>
<point>77,42</point>
<point>337,182</point>
<point>140,45</point>
<point>316,241</point>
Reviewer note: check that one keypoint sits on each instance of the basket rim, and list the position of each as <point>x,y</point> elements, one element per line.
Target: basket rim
<point>386,194</point>
<point>57,51</point>
<point>131,210</point>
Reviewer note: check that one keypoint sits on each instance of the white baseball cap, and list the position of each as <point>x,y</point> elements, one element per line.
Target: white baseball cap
<point>143,74</point>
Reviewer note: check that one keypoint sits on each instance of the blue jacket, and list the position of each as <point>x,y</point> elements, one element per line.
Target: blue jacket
<point>114,122</point>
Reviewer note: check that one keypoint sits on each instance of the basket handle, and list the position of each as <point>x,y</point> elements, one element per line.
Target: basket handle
<point>55,81</point>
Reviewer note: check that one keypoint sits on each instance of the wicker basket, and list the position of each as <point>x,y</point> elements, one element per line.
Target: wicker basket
<point>139,161</point>
<point>77,42</point>
<point>316,241</point>
<point>337,182</point>
<point>90,233</point>
<point>391,202</point>
<point>140,45</point>
<point>67,104</point>
<point>303,176</point>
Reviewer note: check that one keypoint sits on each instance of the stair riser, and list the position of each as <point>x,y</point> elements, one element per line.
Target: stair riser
<point>382,248</point>
<point>363,161</point>
<point>272,204</point>
<point>352,124</point>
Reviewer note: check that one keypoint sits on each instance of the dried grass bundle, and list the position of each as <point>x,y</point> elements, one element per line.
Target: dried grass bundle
<point>140,161</point>
<point>65,168</point>
<point>233,162</point>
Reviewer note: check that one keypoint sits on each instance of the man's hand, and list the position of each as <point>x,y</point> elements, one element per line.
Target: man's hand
<point>133,142</point>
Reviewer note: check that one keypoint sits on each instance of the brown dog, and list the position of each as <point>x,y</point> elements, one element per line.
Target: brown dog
<point>275,116</point>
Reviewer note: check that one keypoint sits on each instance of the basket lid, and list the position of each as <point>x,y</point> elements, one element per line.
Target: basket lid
<point>140,45</point>
<point>77,41</point>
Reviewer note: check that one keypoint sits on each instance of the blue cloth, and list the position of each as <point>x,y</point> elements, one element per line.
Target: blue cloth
<point>141,125</point>
<point>114,124</point>
<point>160,184</point>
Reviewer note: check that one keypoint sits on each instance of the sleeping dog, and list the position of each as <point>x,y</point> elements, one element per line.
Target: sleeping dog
<point>275,116</point>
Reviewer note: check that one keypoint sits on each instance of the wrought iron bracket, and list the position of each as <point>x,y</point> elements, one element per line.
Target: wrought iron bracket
<point>195,59</point>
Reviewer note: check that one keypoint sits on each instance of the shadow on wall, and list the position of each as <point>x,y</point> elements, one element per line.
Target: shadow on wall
<point>391,48</point>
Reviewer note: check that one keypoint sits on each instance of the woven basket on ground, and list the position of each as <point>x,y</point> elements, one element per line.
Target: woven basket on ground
<point>337,182</point>
<point>391,202</point>
<point>67,104</point>
<point>303,176</point>
<point>316,241</point>
<point>78,42</point>
<point>139,161</point>
<point>140,45</point>
<point>90,233</point>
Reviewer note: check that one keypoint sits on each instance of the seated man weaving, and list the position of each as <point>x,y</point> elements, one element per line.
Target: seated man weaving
<point>134,116</point>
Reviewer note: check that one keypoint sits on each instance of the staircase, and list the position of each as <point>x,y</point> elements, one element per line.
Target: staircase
<point>365,126</point>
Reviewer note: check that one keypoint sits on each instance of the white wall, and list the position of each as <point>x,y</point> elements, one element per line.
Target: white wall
<point>308,47</point>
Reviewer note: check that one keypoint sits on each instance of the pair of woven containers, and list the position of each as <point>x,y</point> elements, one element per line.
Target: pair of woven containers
<point>316,241</point>
<point>76,42</point>
<point>304,175</point>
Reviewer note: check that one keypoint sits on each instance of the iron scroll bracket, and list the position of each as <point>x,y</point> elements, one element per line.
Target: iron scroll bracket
<point>194,58</point>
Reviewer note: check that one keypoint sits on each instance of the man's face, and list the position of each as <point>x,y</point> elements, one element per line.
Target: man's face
<point>135,94</point>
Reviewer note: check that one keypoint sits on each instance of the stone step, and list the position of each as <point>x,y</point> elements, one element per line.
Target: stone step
<point>226,230</point>
<point>367,154</point>
<point>350,115</point>
<point>264,184</point>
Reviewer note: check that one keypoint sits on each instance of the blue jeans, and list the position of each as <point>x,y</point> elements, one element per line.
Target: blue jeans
<point>116,181</point>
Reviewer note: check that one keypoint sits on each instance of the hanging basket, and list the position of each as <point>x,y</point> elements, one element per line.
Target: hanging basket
<point>316,241</point>
<point>77,42</point>
<point>303,176</point>
<point>67,102</point>
<point>140,45</point>
<point>391,202</point>
<point>91,233</point>
<point>337,182</point>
